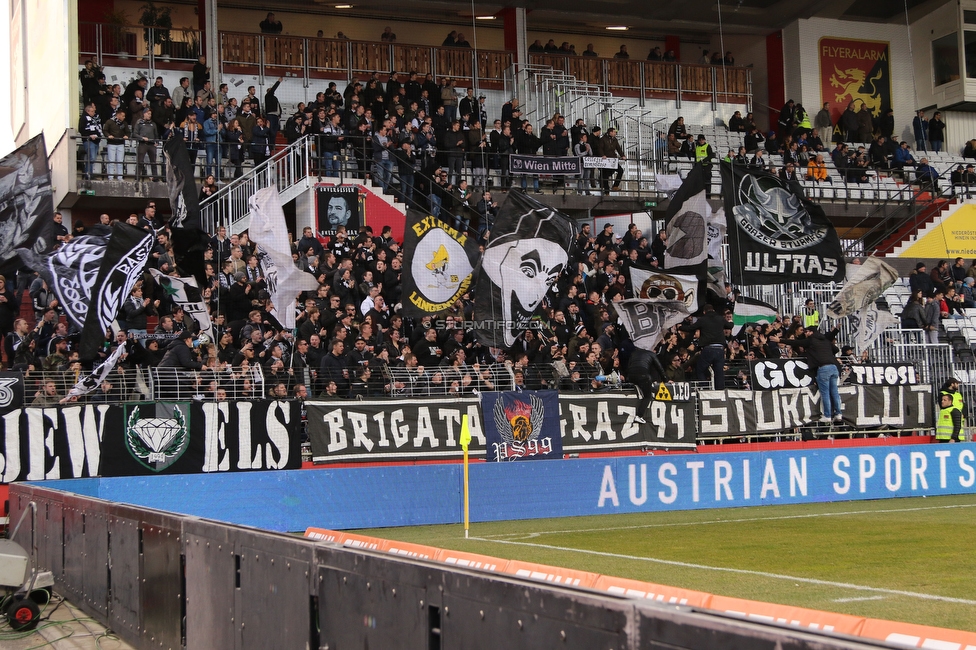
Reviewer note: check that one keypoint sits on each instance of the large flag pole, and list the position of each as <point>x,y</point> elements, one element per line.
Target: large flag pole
<point>465,441</point>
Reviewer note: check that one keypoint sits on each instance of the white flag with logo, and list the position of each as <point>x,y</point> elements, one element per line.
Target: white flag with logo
<point>285,281</point>
<point>869,323</point>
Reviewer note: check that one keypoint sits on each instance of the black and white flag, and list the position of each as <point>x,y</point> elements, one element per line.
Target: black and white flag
<point>184,201</point>
<point>185,293</point>
<point>440,267</point>
<point>869,323</point>
<point>91,381</point>
<point>695,234</point>
<point>188,236</point>
<point>285,281</point>
<point>26,203</point>
<point>529,249</point>
<point>71,272</point>
<point>646,321</point>
<point>125,258</point>
<point>776,234</point>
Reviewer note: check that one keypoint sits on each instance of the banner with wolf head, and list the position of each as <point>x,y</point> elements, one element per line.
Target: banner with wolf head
<point>775,234</point>
<point>854,71</point>
<point>440,266</point>
<point>529,249</point>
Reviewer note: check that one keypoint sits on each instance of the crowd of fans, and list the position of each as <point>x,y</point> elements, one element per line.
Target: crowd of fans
<point>419,139</point>
<point>351,339</point>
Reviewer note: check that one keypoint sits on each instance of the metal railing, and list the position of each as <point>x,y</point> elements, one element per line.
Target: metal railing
<point>213,383</point>
<point>289,169</point>
<point>309,58</point>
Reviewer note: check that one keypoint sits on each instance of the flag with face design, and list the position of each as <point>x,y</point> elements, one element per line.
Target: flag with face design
<point>529,249</point>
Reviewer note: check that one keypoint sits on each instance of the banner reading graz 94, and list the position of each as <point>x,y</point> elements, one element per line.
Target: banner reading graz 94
<point>410,430</point>
<point>745,413</point>
<point>149,438</point>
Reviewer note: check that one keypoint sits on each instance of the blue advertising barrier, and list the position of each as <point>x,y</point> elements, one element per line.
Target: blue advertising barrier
<point>366,497</point>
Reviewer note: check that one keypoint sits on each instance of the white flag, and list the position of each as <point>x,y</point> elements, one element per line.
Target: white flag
<point>285,281</point>
<point>91,381</point>
<point>871,323</point>
<point>864,286</point>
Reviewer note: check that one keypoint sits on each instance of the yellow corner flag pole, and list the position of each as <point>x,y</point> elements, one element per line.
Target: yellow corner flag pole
<point>465,441</point>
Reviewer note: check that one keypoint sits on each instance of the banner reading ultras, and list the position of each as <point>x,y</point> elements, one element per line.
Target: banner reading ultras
<point>855,71</point>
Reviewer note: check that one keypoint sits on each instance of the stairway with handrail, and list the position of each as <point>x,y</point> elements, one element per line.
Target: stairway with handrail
<point>289,169</point>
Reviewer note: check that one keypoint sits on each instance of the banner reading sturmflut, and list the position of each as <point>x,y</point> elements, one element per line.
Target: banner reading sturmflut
<point>440,264</point>
<point>775,234</point>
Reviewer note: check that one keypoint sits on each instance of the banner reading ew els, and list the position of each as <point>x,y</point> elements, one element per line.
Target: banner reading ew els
<point>149,438</point>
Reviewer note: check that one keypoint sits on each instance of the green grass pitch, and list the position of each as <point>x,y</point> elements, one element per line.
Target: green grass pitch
<point>911,560</point>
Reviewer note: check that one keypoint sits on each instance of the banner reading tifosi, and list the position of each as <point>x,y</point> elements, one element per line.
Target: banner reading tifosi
<point>748,413</point>
<point>854,71</point>
<point>406,430</point>
<point>149,438</point>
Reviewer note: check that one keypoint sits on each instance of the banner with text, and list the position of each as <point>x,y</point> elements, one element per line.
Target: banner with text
<point>521,426</point>
<point>149,438</point>
<point>551,165</point>
<point>406,430</point>
<point>770,374</point>
<point>736,413</point>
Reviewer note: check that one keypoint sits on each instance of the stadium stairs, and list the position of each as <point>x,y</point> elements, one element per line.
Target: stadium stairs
<point>292,170</point>
<point>913,229</point>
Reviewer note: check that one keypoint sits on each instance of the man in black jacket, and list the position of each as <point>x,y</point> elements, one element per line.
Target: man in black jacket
<point>644,370</point>
<point>822,358</point>
<point>711,342</point>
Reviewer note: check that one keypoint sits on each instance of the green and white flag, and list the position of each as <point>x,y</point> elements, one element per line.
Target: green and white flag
<point>749,311</point>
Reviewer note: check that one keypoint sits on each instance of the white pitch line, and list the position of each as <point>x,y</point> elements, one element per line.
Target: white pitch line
<point>762,574</point>
<point>857,600</point>
<point>727,521</point>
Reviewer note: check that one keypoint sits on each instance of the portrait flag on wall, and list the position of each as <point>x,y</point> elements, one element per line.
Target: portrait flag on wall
<point>440,261</point>
<point>529,249</point>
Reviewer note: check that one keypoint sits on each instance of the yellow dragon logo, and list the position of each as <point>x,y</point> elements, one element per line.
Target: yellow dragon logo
<point>851,81</point>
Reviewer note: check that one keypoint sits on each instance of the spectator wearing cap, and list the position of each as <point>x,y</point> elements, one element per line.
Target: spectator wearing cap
<point>606,237</point>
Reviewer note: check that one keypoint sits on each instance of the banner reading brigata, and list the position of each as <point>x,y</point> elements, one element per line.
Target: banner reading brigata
<point>410,430</point>
<point>149,438</point>
<point>854,71</point>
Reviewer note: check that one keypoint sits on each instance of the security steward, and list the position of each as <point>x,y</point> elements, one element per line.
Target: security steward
<point>951,386</point>
<point>705,155</point>
<point>949,426</point>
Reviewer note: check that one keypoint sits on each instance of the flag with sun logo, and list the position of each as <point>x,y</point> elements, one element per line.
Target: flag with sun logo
<point>521,425</point>
<point>440,260</point>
